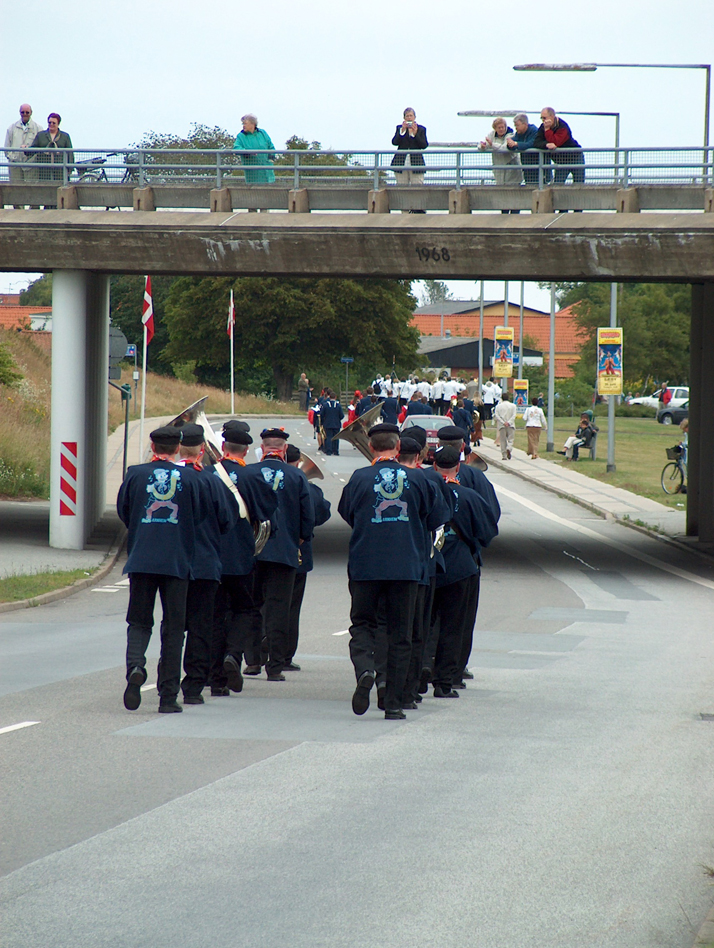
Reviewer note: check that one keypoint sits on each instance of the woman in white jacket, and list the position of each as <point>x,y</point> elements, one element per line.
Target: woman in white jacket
<point>535,422</point>
<point>502,155</point>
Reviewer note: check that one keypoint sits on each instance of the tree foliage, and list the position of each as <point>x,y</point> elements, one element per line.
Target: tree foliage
<point>431,292</point>
<point>38,293</point>
<point>287,326</point>
<point>8,369</point>
<point>655,318</point>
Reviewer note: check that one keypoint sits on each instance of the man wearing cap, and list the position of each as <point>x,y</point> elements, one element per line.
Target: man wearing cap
<point>387,508</point>
<point>237,623</point>
<point>222,517</point>
<point>470,528</point>
<point>280,558</point>
<point>332,415</point>
<point>162,505</point>
<point>322,509</point>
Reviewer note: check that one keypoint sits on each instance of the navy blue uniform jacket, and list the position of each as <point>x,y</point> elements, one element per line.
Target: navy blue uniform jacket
<point>442,510</point>
<point>419,408</point>
<point>463,419</point>
<point>471,527</point>
<point>363,405</point>
<point>390,411</point>
<point>388,509</point>
<point>323,510</point>
<point>162,505</point>
<point>294,517</point>
<point>238,546</point>
<point>332,413</point>
<point>222,517</point>
<point>476,480</point>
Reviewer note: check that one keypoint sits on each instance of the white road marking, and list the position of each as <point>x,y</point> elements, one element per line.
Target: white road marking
<point>17,727</point>
<point>105,589</point>
<point>622,547</point>
<point>147,687</point>
<point>123,582</point>
<point>345,632</point>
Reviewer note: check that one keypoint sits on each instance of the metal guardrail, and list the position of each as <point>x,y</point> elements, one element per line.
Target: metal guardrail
<point>452,167</point>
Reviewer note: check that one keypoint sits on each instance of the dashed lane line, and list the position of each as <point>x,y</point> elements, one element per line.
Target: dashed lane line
<point>17,727</point>
<point>344,632</point>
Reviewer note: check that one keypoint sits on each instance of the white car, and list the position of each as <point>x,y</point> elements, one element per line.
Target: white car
<point>680,394</point>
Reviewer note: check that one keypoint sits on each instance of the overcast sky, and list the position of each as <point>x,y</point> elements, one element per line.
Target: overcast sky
<point>341,73</point>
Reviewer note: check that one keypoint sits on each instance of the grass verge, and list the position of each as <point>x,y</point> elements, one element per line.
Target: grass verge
<point>17,588</point>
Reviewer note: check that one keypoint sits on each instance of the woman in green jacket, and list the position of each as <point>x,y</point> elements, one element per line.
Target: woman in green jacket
<point>250,140</point>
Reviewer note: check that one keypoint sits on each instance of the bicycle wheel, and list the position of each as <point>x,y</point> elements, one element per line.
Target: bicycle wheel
<point>672,478</point>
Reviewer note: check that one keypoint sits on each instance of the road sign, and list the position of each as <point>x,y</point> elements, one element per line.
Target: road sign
<point>130,351</point>
<point>117,345</point>
<point>347,359</point>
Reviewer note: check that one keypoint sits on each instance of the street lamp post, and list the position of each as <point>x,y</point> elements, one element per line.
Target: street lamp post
<point>592,67</point>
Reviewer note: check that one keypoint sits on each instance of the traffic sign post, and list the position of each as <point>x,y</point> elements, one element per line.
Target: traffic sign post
<point>347,360</point>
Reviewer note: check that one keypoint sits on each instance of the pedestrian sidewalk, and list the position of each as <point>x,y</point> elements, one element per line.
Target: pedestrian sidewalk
<point>608,501</point>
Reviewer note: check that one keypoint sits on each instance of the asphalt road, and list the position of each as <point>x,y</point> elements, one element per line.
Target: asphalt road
<point>565,798</point>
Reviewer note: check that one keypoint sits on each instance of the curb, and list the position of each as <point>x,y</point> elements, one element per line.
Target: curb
<point>66,591</point>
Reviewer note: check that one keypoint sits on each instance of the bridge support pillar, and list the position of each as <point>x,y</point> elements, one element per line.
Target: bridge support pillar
<point>220,200</point>
<point>378,201</point>
<point>709,200</point>
<point>628,201</point>
<point>78,441</point>
<point>542,202</point>
<point>700,467</point>
<point>298,201</point>
<point>67,198</point>
<point>459,202</point>
<point>143,199</point>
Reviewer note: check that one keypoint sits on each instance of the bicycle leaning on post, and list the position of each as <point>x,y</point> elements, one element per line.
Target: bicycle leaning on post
<point>674,473</point>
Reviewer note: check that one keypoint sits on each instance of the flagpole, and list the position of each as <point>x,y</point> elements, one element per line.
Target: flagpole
<point>143,401</point>
<point>231,324</point>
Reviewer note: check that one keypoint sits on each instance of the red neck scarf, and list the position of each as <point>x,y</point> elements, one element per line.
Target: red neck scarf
<point>236,460</point>
<point>383,457</point>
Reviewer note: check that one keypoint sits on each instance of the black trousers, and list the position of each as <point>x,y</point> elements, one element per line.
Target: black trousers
<point>449,605</point>
<point>399,598</point>
<point>467,635</point>
<point>295,606</point>
<point>140,619</point>
<point>273,595</point>
<point>420,632</point>
<point>237,625</point>
<point>332,446</point>
<point>199,633</point>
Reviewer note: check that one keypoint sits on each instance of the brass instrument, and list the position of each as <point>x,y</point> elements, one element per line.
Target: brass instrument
<point>196,415</point>
<point>356,432</point>
<point>475,460</point>
<point>309,467</point>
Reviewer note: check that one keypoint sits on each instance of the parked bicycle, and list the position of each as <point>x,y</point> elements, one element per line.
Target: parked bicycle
<point>92,170</point>
<point>674,473</point>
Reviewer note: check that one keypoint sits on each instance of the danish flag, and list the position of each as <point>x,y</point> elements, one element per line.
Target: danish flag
<point>147,313</point>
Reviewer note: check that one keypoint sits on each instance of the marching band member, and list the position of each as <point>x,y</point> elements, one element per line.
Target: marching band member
<point>387,508</point>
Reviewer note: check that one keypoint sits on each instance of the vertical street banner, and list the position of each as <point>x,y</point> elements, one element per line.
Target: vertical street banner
<point>503,352</point>
<point>609,361</point>
<point>520,395</point>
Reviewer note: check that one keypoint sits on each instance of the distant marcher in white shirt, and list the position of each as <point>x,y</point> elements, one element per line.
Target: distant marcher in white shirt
<point>488,397</point>
<point>21,134</point>
<point>505,416</point>
<point>535,422</point>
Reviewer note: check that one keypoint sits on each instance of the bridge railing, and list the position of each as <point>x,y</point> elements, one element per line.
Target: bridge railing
<point>454,167</point>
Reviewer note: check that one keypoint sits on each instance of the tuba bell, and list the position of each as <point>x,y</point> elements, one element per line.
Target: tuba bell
<point>309,467</point>
<point>356,432</point>
<point>195,414</point>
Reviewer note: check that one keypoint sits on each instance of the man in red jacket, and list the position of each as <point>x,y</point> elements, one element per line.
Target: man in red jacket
<point>554,135</point>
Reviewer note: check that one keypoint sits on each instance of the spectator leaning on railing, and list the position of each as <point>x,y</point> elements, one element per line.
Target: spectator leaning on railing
<point>554,135</point>
<point>497,144</point>
<point>52,139</point>
<point>523,139</point>
<point>20,135</point>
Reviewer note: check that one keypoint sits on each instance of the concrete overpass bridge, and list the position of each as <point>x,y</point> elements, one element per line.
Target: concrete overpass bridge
<point>82,248</point>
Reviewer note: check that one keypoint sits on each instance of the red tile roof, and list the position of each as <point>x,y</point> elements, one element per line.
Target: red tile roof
<point>15,317</point>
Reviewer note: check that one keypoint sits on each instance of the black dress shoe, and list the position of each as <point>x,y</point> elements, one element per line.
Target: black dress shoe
<point>251,670</point>
<point>169,706</point>
<point>394,716</point>
<point>381,692</point>
<point>132,693</point>
<point>445,693</point>
<point>360,699</point>
<point>459,684</point>
<point>231,669</point>
<point>466,675</point>
<point>193,699</point>
<point>418,699</point>
<point>292,667</point>
<point>276,677</point>
<point>217,691</point>
<point>410,706</point>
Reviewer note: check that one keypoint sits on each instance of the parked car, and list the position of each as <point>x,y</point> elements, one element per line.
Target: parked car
<point>680,395</point>
<point>430,424</point>
<point>673,416</point>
